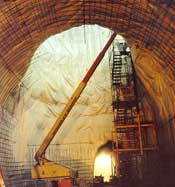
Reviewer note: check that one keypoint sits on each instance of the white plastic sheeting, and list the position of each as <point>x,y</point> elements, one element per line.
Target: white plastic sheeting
<point>56,69</point>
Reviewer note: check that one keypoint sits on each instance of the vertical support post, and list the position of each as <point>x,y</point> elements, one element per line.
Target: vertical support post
<point>140,134</point>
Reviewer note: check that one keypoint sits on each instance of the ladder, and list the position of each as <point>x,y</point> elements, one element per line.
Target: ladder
<point>116,69</point>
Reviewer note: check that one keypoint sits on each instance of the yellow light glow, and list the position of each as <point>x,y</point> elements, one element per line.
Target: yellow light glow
<point>103,166</point>
<point>1,180</point>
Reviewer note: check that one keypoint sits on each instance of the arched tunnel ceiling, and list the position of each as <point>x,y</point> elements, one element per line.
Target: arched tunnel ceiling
<point>150,25</point>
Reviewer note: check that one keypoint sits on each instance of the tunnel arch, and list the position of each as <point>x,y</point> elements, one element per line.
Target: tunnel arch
<point>24,25</point>
<point>149,25</point>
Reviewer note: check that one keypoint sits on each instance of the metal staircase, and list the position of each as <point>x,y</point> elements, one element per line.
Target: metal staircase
<point>132,130</point>
<point>116,70</point>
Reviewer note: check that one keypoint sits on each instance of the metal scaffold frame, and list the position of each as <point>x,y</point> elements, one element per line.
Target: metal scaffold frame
<point>131,129</point>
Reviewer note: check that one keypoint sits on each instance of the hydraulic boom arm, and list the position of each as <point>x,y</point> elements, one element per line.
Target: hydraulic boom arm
<point>37,171</point>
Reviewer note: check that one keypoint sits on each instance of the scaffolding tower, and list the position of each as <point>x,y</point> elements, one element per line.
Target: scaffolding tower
<point>132,131</point>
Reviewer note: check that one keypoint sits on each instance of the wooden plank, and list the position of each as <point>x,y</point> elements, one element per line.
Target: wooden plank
<point>136,149</point>
<point>134,126</point>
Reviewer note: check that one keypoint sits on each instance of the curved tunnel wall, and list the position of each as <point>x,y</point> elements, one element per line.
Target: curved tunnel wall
<point>25,24</point>
<point>149,26</point>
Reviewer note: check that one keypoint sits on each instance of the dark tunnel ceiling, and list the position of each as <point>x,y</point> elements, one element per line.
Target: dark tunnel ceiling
<point>25,25</point>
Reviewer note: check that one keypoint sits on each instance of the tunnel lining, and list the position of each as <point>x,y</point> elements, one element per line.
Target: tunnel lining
<point>21,34</point>
<point>34,22</point>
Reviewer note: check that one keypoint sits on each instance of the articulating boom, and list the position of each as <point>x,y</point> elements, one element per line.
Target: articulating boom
<point>45,169</point>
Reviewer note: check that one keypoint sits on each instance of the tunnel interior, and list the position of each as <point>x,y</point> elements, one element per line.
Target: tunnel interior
<point>147,26</point>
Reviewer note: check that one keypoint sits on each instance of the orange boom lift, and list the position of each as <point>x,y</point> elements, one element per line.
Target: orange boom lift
<point>44,168</point>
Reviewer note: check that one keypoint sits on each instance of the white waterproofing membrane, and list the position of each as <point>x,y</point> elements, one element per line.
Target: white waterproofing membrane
<point>56,69</point>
